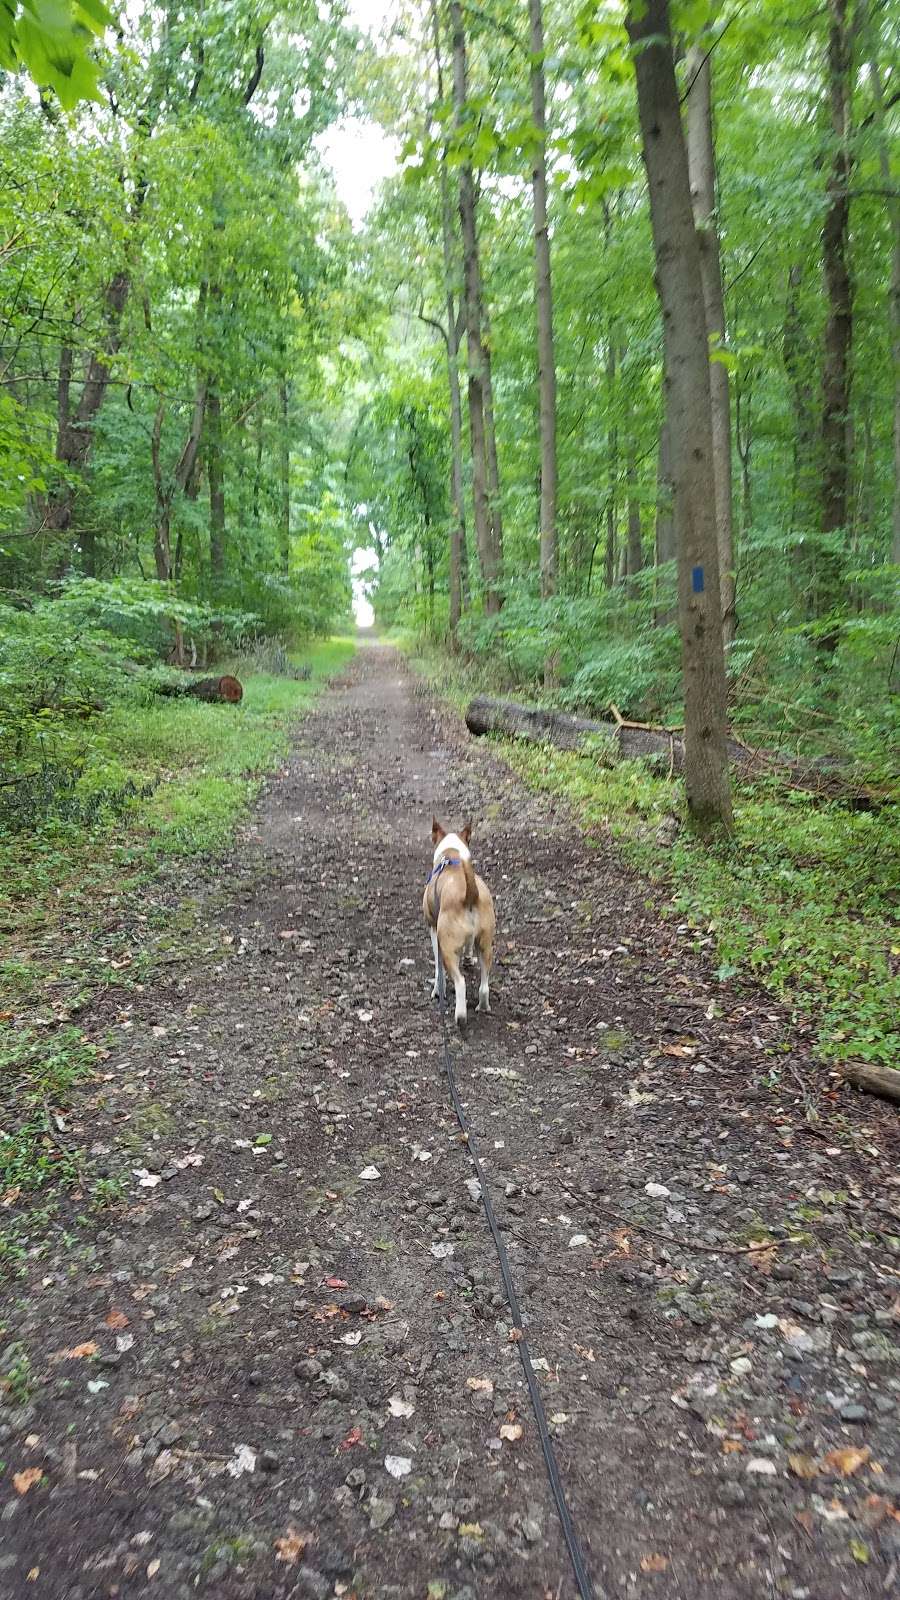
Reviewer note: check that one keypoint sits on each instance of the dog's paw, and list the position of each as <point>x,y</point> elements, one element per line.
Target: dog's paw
<point>435,993</point>
<point>485,1007</point>
<point>461,1019</point>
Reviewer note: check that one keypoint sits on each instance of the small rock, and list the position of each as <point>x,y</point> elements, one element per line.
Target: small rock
<point>380,1512</point>
<point>854,1413</point>
<point>731,1494</point>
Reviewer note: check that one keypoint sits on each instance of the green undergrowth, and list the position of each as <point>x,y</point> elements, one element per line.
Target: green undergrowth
<point>803,895</point>
<point>78,913</point>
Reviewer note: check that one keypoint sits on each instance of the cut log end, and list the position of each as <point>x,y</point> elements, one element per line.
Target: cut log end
<point>227,688</point>
<point>884,1081</point>
<point>214,691</point>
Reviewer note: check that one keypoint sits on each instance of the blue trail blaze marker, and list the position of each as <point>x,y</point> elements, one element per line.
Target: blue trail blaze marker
<point>697,583</point>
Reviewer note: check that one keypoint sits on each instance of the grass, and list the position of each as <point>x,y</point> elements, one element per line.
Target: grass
<point>72,920</point>
<point>803,896</point>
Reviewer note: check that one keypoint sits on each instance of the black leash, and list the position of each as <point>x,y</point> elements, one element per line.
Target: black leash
<point>582,1579</point>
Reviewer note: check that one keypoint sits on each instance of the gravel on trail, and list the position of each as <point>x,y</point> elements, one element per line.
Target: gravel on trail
<point>283,1365</point>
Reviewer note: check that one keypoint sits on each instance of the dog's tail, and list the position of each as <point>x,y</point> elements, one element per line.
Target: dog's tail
<point>471,886</point>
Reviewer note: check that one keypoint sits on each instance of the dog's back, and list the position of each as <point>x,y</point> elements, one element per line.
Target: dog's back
<point>459,911</point>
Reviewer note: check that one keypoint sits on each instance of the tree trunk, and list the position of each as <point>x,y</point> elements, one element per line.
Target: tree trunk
<point>167,490</point>
<point>225,690</point>
<point>257,469</point>
<point>73,441</point>
<point>495,508</point>
<point>488,553</point>
<point>702,170</point>
<point>835,459</point>
<point>665,522</point>
<point>543,291</point>
<point>893,204</point>
<point>284,473</point>
<point>216,477</point>
<point>635,557</point>
<point>688,409</point>
<point>609,560</point>
<point>457,497</point>
<point>630,741</point>
<point>798,365</point>
<point>743,439</point>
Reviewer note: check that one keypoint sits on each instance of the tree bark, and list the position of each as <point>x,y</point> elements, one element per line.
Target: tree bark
<point>688,409</point>
<point>177,483</point>
<point>893,205</point>
<point>495,508</point>
<point>631,741</point>
<point>835,458</point>
<point>612,444</point>
<point>798,365</point>
<point>665,522</point>
<point>284,473</point>
<point>543,292</point>
<point>743,440</point>
<point>225,690</point>
<point>75,432</point>
<point>216,477</point>
<point>635,555</point>
<point>457,498</point>
<point>884,1081</point>
<point>702,170</point>
<point>488,552</point>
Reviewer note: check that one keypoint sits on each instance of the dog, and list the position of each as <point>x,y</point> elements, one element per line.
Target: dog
<point>459,914</point>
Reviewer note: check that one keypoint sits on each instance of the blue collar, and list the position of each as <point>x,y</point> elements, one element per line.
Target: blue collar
<point>446,861</point>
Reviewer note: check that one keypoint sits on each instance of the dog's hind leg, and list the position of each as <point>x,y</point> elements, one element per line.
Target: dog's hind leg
<point>454,972</point>
<point>485,957</point>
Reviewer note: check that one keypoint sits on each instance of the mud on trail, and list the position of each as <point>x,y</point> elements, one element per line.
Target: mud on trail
<point>303,1382</point>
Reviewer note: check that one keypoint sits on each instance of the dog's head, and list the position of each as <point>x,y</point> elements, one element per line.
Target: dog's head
<point>450,843</point>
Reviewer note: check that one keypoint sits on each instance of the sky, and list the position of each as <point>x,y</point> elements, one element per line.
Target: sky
<point>361,155</point>
<point>358,151</point>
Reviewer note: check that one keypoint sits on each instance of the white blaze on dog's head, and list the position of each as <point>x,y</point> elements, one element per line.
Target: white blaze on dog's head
<point>450,844</point>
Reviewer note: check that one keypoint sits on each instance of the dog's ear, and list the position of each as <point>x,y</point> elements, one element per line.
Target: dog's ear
<point>437,832</point>
<point>466,832</point>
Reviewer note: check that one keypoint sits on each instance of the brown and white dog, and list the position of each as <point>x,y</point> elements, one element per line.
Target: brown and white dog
<point>459,913</point>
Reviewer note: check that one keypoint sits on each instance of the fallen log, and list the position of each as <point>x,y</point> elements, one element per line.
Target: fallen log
<point>884,1081</point>
<point>630,740</point>
<point>216,691</point>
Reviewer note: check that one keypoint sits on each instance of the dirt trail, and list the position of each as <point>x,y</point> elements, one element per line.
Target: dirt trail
<point>272,1325</point>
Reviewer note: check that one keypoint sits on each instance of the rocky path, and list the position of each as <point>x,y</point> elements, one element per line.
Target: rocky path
<point>282,1366</point>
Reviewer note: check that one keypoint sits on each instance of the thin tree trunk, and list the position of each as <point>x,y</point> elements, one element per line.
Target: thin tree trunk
<point>743,439</point>
<point>73,442</point>
<point>543,290</point>
<point>835,459</point>
<point>635,541</point>
<point>798,366</point>
<point>677,256</point>
<point>167,490</point>
<point>609,559</point>
<point>893,205</point>
<point>257,469</point>
<point>702,169</point>
<point>162,544</point>
<point>490,433</point>
<point>488,553</point>
<point>457,498</point>
<point>665,522</point>
<point>284,473</point>
<point>216,477</point>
